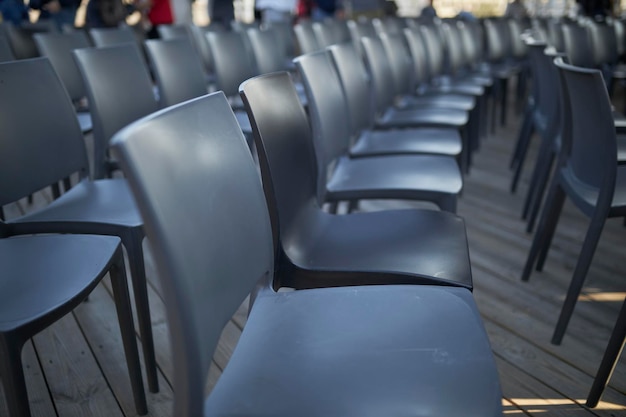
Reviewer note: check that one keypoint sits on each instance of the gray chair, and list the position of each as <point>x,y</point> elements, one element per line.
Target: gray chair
<point>305,37</point>
<point>58,47</point>
<point>433,178</point>
<point>234,63</point>
<point>387,116</point>
<point>587,172</point>
<point>369,141</point>
<point>177,69</point>
<point>364,350</point>
<point>35,155</point>
<point>43,279</point>
<point>102,37</point>
<point>318,249</point>
<point>6,53</point>
<point>119,91</point>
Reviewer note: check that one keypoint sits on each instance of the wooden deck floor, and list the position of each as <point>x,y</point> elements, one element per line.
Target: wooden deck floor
<point>76,367</point>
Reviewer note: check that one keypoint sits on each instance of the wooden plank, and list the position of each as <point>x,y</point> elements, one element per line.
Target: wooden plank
<point>75,381</point>
<point>569,382</point>
<point>98,321</point>
<point>38,396</point>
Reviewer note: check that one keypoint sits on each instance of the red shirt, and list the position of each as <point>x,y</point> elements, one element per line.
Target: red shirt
<point>161,13</point>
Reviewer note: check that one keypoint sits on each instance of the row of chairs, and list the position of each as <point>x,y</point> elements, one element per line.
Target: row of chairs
<point>314,249</point>
<point>433,244</point>
<point>583,150</point>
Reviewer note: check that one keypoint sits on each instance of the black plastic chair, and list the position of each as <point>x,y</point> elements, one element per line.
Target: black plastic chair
<point>177,69</point>
<point>587,172</point>
<point>35,155</point>
<point>234,63</point>
<point>319,249</point>
<point>58,47</point>
<point>368,141</point>
<point>433,178</point>
<point>119,91</point>
<point>609,360</point>
<point>387,116</point>
<point>6,53</point>
<point>364,350</point>
<point>43,279</point>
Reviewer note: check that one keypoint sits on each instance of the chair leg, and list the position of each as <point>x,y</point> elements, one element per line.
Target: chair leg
<point>13,377</point>
<point>580,273</point>
<point>611,354</point>
<point>125,317</point>
<point>543,237</point>
<point>540,188</point>
<point>134,249</point>
<point>524,133</point>
<point>525,137</point>
<point>503,101</point>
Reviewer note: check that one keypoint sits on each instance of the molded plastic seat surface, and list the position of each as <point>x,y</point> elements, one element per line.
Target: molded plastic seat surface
<point>358,351</point>
<point>91,207</point>
<point>432,178</point>
<point>355,85</point>
<point>587,172</point>
<point>318,249</point>
<point>43,279</point>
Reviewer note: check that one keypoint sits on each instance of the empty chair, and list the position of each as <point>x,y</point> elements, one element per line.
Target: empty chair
<point>234,63</point>
<point>112,36</point>
<point>36,155</point>
<point>609,360</point>
<point>587,172</point>
<point>364,350</point>
<point>21,38</point>
<point>305,37</point>
<point>58,47</point>
<point>359,29</point>
<point>388,116</point>
<point>43,279</point>
<point>318,249</point>
<point>119,91</point>
<point>177,70</point>
<point>268,57</point>
<point>173,31</point>
<point>433,178</point>
<point>369,141</point>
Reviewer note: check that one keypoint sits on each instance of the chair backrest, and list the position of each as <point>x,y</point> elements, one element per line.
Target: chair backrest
<point>102,37</point>
<point>380,73</point>
<point>202,205</point>
<point>389,25</point>
<point>177,70</point>
<point>40,139</point>
<point>58,48</point>
<point>589,149</point>
<point>233,63</point>
<point>603,43</point>
<point>434,51</point>
<point>285,35</point>
<point>555,34</point>
<point>284,143</point>
<point>21,40</point>
<point>356,85</point>
<point>358,29</point>
<point>307,41</point>
<point>174,31</point>
<point>577,45</point>
<point>418,55</point>
<point>494,40</point>
<point>119,90</point>
<point>202,44</point>
<point>546,88</point>
<point>328,110</point>
<point>268,57</point>
<point>400,63</point>
<point>6,53</point>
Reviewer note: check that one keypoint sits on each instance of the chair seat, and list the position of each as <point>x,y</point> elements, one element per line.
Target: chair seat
<point>418,140</point>
<point>585,197</point>
<point>459,87</point>
<point>43,273</point>
<point>428,246</point>
<point>360,352</point>
<point>102,203</point>
<point>423,117</point>
<point>451,101</point>
<point>406,177</point>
